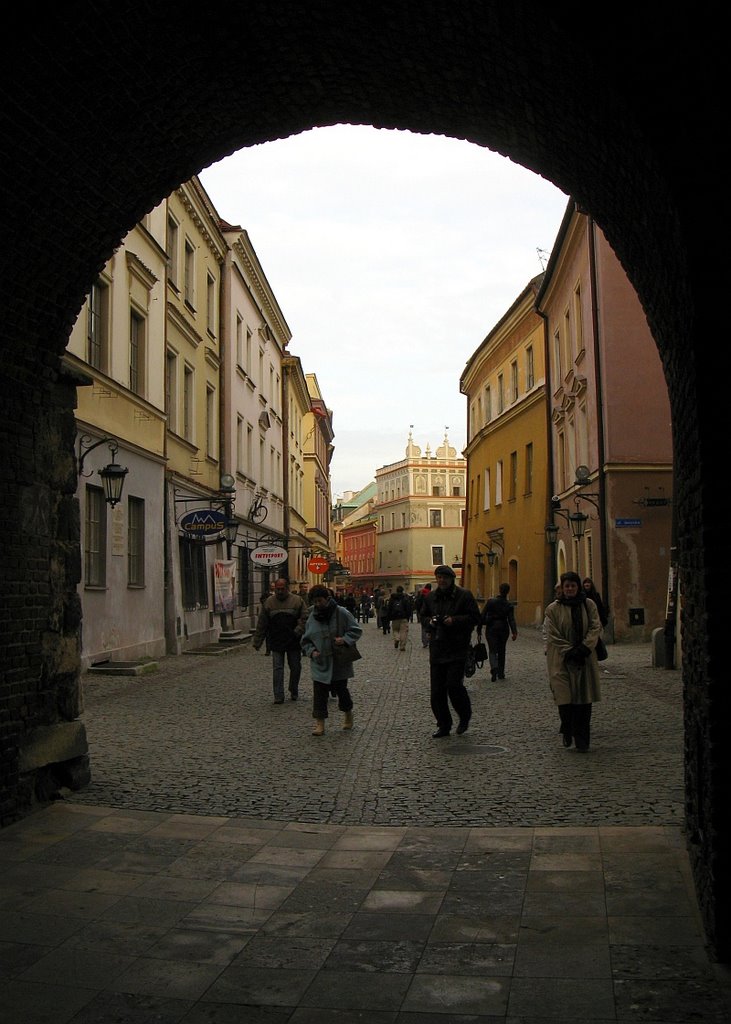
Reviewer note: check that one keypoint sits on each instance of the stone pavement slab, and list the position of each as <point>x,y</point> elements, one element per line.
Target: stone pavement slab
<point>225,865</point>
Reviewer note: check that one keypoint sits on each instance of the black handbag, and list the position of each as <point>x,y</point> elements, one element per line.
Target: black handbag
<point>479,652</point>
<point>601,650</point>
<point>346,654</point>
<point>469,663</point>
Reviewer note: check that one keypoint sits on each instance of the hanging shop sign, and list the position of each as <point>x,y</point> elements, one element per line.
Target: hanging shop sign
<point>203,522</point>
<point>268,555</point>
<point>318,565</point>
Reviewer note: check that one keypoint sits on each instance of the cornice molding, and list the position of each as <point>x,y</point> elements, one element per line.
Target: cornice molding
<point>215,248</point>
<point>184,326</point>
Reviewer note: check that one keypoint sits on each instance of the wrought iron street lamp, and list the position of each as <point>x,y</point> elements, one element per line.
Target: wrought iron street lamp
<point>112,474</point>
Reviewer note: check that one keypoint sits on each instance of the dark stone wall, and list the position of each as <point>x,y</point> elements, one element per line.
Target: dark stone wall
<point>107,108</point>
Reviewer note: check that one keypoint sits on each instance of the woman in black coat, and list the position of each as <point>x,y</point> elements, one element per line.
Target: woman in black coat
<point>591,591</point>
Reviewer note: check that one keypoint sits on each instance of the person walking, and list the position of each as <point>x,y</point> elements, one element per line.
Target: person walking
<point>450,614</point>
<point>399,611</point>
<point>590,590</point>
<point>329,631</point>
<point>572,627</point>
<point>281,624</point>
<point>498,619</point>
<point>418,605</point>
<point>382,613</point>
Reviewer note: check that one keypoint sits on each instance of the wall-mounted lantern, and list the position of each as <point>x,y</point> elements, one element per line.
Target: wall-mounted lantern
<point>112,474</point>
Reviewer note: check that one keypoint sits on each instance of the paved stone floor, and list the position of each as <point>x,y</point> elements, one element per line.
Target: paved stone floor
<point>225,865</point>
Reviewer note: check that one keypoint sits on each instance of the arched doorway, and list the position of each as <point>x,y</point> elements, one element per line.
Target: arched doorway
<point>105,112</point>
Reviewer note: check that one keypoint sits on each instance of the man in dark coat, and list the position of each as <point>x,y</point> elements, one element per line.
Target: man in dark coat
<point>450,614</point>
<point>499,620</point>
<point>281,623</point>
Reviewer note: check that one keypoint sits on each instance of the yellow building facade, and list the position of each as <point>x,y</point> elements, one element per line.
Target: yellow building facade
<point>508,463</point>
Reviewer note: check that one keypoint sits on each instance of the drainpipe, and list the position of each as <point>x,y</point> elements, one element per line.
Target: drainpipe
<point>286,517</point>
<point>548,596</point>
<point>604,556</point>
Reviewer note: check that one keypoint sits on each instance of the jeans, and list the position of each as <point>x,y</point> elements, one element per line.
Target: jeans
<point>294,659</point>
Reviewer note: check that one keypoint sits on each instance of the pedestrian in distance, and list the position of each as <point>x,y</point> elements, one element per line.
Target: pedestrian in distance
<point>418,605</point>
<point>498,619</point>
<point>572,627</point>
<point>590,590</point>
<point>329,630</point>
<point>281,624</point>
<point>382,613</point>
<point>450,614</point>
<point>399,612</point>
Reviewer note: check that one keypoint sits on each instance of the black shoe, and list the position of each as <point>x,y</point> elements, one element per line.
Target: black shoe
<point>493,676</point>
<point>440,733</point>
<point>501,677</point>
<point>462,727</point>
<point>279,700</point>
<point>293,696</point>
<point>582,749</point>
<point>566,740</point>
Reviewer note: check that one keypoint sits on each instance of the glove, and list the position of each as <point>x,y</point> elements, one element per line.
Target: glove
<point>577,655</point>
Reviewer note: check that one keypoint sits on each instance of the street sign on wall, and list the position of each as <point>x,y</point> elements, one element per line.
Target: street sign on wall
<point>318,565</point>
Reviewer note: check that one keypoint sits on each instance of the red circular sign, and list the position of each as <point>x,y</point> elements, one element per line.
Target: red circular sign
<point>318,564</point>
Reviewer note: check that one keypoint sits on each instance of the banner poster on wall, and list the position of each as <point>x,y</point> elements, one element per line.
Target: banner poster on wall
<point>224,585</point>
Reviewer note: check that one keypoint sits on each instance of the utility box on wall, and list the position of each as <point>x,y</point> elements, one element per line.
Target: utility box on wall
<point>637,616</point>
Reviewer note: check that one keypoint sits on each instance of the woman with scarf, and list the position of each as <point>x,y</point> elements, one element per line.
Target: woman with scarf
<point>330,628</point>
<point>571,628</point>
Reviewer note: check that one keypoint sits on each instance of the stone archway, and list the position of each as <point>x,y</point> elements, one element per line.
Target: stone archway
<point>106,110</point>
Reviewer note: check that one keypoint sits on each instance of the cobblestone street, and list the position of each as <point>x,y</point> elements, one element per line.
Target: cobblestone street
<point>201,735</point>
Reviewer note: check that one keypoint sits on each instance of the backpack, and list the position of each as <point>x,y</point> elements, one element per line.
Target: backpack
<point>398,609</point>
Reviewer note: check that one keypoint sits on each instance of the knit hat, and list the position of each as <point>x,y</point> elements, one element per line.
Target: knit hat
<point>444,570</point>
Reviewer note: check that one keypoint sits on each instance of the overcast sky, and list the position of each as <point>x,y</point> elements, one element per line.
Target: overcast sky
<point>392,256</point>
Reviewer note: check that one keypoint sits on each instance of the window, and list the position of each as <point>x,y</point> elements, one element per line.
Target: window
<point>211,446</point>
<point>211,304</point>
<point>486,496</point>
<point>171,248</point>
<point>435,517</point>
<point>436,491</point>
<point>488,404</point>
<point>240,444</point>
<point>97,326</point>
<point>437,554</point>
<point>95,538</point>
<point>456,490</point>
<point>530,370</point>
<point>136,353</point>
<point>567,340</point>
<point>578,320</point>
<point>557,356</point>
<point>171,389</point>
<point>249,469</point>
<point>188,403</point>
<point>135,542</point>
<point>240,350</point>
<point>189,289</point>
<point>193,572</point>
<point>247,365</point>
<point>528,468</point>
<point>499,483</point>
<point>513,475</point>
<point>514,381</point>
<point>500,393</point>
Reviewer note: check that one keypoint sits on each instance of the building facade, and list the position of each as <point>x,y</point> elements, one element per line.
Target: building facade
<point>317,446</point>
<point>115,351</point>
<point>507,462</point>
<point>610,431</point>
<point>420,512</point>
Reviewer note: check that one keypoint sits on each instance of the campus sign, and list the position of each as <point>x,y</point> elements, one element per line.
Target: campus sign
<point>203,522</point>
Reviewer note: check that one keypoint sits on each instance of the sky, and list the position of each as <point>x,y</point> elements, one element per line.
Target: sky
<point>392,256</point>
